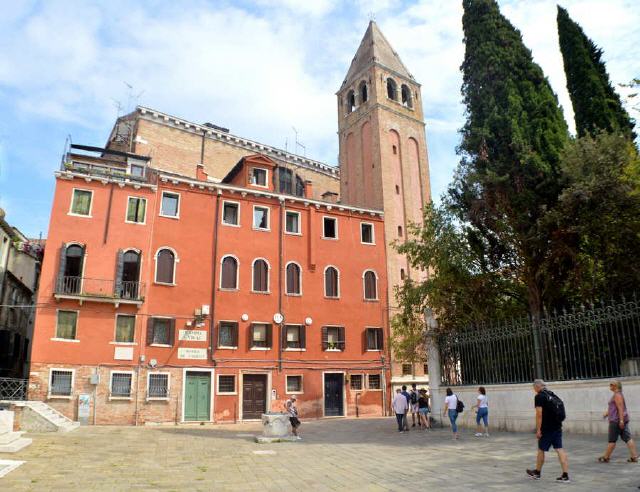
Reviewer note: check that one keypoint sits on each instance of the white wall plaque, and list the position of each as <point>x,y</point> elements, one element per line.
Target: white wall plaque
<point>123,353</point>
<point>192,353</point>
<point>192,335</point>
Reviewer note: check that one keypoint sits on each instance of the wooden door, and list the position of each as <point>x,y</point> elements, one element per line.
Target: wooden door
<point>254,396</point>
<point>197,397</point>
<point>333,395</point>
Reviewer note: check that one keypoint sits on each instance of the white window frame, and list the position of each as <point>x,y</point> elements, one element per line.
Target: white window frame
<point>163,345</point>
<point>251,340</point>
<point>286,384</point>
<point>367,349</point>
<point>301,326</point>
<point>232,202</point>
<point>253,264</point>
<point>374,389</point>
<point>253,226</point>
<point>157,398</point>
<point>115,330</point>
<point>73,195</point>
<point>266,174</point>
<point>73,381</point>
<point>285,279</point>
<point>337,327</point>
<point>335,219</point>
<point>299,233</point>
<point>364,293</point>
<point>164,192</point>
<point>176,260</point>
<point>225,347</point>
<point>227,289</point>
<point>324,283</point>
<point>373,233</point>
<point>130,397</point>
<point>235,385</point>
<point>55,333</point>
<point>363,380</point>
<point>126,212</point>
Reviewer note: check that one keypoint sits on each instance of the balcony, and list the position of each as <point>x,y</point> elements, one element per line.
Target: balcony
<point>85,289</point>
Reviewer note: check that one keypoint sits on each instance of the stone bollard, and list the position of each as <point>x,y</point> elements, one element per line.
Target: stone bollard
<point>276,427</point>
<point>10,442</point>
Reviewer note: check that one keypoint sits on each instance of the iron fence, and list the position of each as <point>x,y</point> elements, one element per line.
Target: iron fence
<point>13,389</point>
<point>598,341</point>
<point>92,287</point>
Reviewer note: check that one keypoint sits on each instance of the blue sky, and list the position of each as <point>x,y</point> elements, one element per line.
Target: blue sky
<point>257,67</point>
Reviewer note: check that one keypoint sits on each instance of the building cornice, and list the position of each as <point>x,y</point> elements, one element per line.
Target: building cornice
<point>360,75</point>
<point>385,108</point>
<point>68,175</point>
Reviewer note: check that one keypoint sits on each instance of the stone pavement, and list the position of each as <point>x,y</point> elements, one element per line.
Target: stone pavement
<point>335,454</point>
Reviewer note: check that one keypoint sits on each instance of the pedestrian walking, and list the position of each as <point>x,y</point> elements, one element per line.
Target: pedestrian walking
<point>451,406</point>
<point>413,402</point>
<point>408,397</point>
<point>549,417</point>
<point>423,410</point>
<point>292,410</point>
<point>482,413</point>
<point>400,406</point>
<point>618,424</point>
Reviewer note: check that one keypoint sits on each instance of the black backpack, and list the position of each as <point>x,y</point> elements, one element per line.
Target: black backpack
<point>414,397</point>
<point>556,406</point>
<point>459,405</point>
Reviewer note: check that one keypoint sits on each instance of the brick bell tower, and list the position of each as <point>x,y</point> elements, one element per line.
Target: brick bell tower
<point>383,152</point>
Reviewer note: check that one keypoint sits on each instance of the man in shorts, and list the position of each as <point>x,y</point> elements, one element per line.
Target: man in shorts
<point>413,404</point>
<point>292,410</point>
<point>548,431</point>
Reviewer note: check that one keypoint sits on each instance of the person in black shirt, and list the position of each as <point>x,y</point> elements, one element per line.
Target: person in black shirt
<point>548,432</point>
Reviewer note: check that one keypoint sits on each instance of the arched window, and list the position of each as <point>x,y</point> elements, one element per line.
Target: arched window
<point>128,274</point>
<point>165,266</point>
<point>285,180</point>
<point>364,94</point>
<point>260,276</point>
<point>294,283</point>
<point>392,89</point>
<point>229,273</point>
<point>370,285</point>
<point>402,274</point>
<point>407,100</point>
<point>351,101</point>
<point>299,186</point>
<point>331,282</point>
<point>70,274</point>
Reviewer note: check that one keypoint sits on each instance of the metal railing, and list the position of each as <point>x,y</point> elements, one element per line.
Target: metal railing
<point>116,172</point>
<point>91,287</point>
<point>599,341</point>
<point>13,389</point>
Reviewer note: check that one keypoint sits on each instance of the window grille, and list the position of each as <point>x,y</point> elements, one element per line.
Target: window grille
<point>374,382</point>
<point>228,334</point>
<point>158,386</point>
<point>120,384</point>
<point>61,383</point>
<point>356,382</point>
<point>226,383</point>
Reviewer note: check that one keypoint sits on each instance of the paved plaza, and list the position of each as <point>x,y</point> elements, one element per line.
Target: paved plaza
<point>335,454</point>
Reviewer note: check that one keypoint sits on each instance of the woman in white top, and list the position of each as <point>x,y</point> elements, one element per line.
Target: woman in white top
<point>482,413</point>
<point>451,404</point>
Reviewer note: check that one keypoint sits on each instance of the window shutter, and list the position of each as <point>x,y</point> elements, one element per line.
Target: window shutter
<point>149,331</point>
<point>235,335</point>
<point>365,338</point>
<point>283,336</point>
<point>380,336</point>
<point>341,337</point>
<point>63,265</point>
<point>119,270</point>
<point>303,336</point>
<point>325,338</point>
<point>269,336</point>
<point>172,331</point>
<point>250,337</point>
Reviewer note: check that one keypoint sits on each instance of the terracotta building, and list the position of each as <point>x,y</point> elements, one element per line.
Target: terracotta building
<point>193,275</point>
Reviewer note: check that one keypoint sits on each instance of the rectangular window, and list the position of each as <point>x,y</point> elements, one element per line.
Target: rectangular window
<point>332,338</point>
<point>170,206</point>
<point>121,384</point>
<point>61,383</point>
<point>137,171</point>
<point>374,382</point>
<point>136,210</point>
<point>160,331</point>
<point>260,335</point>
<point>158,386</point>
<point>230,213</point>
<point>366,233</point>
<point>374,338</point>
<point>294,337</point>
<point>125,328</point>
<point>426,369</point>
<point>66,326</point>
<point>292,225</point>
<point>407,369</point>
<point>356,382</point>
<point>329,228</point>
<point>226,384</point>
<point>294,384</point>
<point>259,176</point>
<point>81,202</point>
<point>228,334</point>
<point>261,218</point>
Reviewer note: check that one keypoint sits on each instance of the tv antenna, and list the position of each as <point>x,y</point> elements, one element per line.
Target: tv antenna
<point>131,97</point>
<point>299,144</point>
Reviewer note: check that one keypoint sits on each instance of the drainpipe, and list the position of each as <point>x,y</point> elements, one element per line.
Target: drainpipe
<point>280,259</point>
<point>384,386</point>
<point>107,219</point>
<point>214,274</point>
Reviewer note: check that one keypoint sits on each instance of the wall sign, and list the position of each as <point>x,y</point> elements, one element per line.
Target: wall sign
<point>192,353</point>
<point>192,335</point>
<point>123,353</point>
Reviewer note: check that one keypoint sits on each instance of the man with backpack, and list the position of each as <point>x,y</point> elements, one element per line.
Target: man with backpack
<point>550,414</point>
<point>413,403</point>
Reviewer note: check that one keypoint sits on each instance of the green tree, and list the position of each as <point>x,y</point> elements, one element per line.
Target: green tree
<point>596,104</point>
<point>509,175</point>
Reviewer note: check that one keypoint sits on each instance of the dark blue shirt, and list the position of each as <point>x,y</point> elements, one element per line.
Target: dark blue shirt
<point>407,396</point>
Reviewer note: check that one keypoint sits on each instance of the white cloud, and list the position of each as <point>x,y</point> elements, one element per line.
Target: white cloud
<point>312,7</point>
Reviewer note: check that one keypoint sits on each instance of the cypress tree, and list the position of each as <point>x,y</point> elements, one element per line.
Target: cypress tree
<point>508,177</point>
<point>596,104</point>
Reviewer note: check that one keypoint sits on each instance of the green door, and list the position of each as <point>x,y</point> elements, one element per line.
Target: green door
<point>197,396</point>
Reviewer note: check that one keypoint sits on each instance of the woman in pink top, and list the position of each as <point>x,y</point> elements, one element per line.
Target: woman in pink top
<point>618,424</point>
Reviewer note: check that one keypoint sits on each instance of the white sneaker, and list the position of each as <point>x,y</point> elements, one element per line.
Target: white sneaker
<point>298,438</point>
<point>478,434</point>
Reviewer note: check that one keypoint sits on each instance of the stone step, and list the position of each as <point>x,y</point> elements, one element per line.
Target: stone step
<point>15,446</point>
<point>9,437</point>
<point>60,421</point>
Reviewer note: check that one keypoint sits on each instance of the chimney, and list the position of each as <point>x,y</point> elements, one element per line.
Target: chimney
<point>201,175</point>
<point>308,189</point>
<point>330,196</point>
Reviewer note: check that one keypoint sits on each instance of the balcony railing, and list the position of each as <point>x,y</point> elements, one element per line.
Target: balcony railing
<point>116,172</point>
<point>99,290</point>
<point>13,389</point>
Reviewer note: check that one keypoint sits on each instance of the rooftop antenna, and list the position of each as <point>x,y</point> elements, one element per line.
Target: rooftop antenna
<point>298,143</point>
<point>131,97</point>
